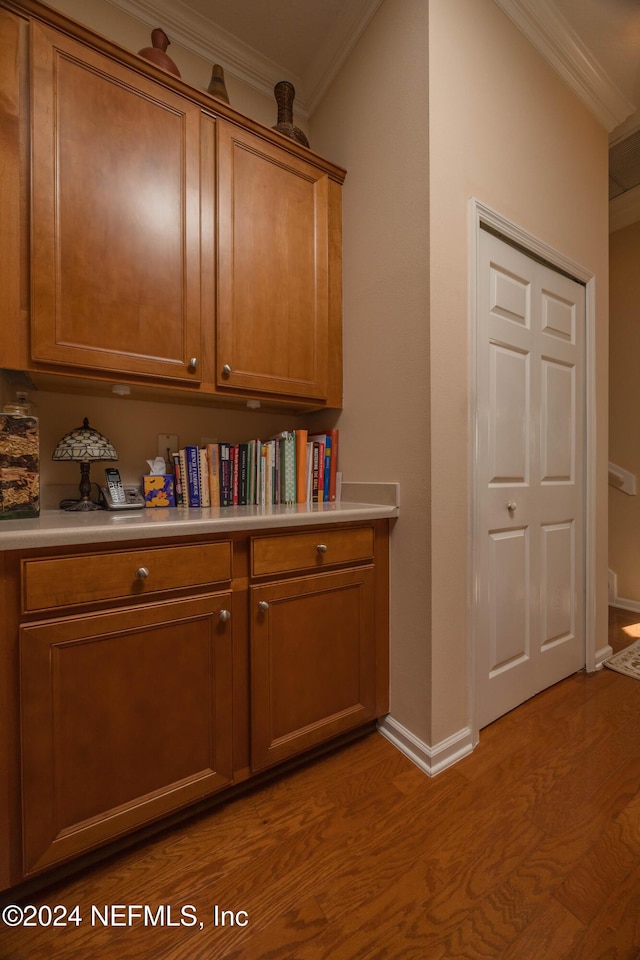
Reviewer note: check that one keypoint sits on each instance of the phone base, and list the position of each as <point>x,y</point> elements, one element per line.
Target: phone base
<point>133,499</point>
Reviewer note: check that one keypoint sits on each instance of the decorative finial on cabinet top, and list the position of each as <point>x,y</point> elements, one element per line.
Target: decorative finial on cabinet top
<point>157,53</point>
<point>217,87</point>
<point>285,95</point>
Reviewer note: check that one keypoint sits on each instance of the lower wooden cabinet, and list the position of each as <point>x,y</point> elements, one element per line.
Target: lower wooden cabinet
<point>125,698</point>
<point>125,717</point>
<point>313,662</point>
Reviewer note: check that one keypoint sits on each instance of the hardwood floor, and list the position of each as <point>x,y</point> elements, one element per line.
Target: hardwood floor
<point>527,850</point>
<point>624,628</point>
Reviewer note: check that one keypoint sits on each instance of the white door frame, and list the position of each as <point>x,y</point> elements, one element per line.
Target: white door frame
<point>480,214</point>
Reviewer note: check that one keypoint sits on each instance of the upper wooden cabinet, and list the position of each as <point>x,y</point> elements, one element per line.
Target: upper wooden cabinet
<point>273,293</point>
<point>152,233</point>
<point>116,218</point>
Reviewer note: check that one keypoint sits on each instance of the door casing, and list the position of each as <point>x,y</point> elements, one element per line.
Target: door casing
<point>480,214</point>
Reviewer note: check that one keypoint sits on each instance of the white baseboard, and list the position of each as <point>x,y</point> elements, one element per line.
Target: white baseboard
<point>431,760</point>
<point>623,604</point>
<point>601,655</point>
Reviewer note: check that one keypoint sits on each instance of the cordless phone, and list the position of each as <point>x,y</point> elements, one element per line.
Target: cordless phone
<point>114,485</point>
<point>117,496</point>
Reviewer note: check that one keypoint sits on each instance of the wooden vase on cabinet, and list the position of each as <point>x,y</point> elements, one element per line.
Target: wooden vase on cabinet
<point>217,87</point>
<point>158,52</point>
<point>285,94</point>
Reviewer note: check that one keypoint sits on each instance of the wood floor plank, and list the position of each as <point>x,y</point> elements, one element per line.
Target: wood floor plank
<point>613,932</point>
<point>605,866</point>
<point>296,928</point>
<point>599,787</point>
<point>552,933</point>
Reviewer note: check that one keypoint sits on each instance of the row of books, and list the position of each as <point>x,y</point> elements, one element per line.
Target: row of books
<point>293,467</point>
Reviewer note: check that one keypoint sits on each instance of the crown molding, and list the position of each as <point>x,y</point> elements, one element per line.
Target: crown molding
<point>189,29</point>
<point>624,210</point>
<point>560,45</point>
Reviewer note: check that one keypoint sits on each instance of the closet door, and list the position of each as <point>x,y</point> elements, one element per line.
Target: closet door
<point>530,498</point>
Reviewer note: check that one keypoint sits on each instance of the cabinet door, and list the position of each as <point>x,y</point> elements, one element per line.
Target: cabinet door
<point>14,99</point>
<point>313,661</point>
<point>273,293</point>
<point>116,225</point>
<point>126,716</point>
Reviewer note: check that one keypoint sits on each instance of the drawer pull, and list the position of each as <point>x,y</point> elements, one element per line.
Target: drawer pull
<point>142,573</point>
<point>193,364</point>
<point>224,615</point>
<point>321,548</point>
<point>263,606</point>
<point>227,369</point>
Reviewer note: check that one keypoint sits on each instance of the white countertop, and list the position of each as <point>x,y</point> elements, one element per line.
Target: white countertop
<point>59,528</point>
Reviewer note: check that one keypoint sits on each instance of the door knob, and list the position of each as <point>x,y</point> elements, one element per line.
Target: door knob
<point>321,548</point>
<point>193,364</point>
<point>224,615</point>
<point>511,506</point>
<point>142,573</point>
<point>227,369</point>
<point>263,606</point>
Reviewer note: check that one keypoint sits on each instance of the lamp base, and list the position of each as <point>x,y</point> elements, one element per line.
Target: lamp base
<point>78,505</point>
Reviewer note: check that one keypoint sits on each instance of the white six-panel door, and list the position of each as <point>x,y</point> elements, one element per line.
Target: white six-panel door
<point>529,525</point>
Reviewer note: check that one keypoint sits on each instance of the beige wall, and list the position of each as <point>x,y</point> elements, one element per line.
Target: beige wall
<point>133,426</point>
<point>624,413</point>
<point>374,121</point>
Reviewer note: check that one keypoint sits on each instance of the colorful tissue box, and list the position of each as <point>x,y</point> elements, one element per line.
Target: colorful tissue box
<point>158,490</point>
<point>19,467</point>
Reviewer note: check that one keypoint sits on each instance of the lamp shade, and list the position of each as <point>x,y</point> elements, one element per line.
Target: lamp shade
<point>84,444</point>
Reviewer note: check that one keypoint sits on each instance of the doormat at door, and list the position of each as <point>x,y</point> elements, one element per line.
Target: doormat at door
<point>627,661</point>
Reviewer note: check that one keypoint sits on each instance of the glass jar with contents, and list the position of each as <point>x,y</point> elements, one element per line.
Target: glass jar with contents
<point>20,406</point>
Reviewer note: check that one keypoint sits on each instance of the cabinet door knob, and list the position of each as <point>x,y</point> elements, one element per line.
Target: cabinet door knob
<point>224,615</point>
<point>227,369</point>
<point>321,548</point>
<point>511,506</point>
<point>193,364</point>
<point>263,606</point>
<point>142,573</point>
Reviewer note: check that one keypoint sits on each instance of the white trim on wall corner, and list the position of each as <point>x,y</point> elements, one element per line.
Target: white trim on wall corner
<point>622,480</point>
<point>431,760</point>
<point>556,40</point>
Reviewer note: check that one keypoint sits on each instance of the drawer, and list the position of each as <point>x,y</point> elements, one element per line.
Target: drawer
<point>48,584</point>
<point>303,551</point>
